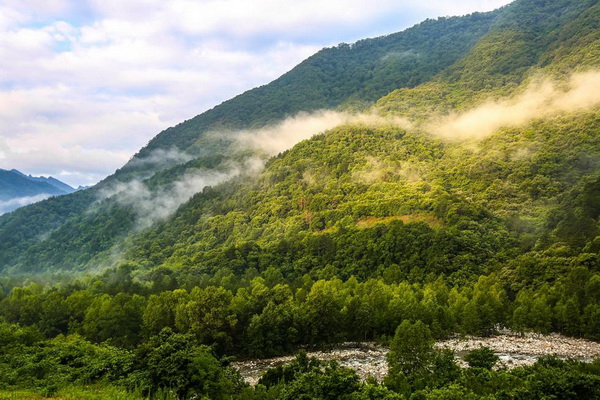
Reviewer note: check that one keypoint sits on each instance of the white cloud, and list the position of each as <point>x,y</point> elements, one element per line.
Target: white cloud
<point>161,158</point>
<point>13,204</point>
<point>85,84</point>
<point>151,206</point>
<point>540,99</point>
<point>9,18</point>
<point>292,130</point>
<point>38,8</point>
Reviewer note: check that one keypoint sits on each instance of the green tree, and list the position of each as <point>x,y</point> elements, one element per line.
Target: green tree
<point>209,316</point>
<point>274,331</point>
<point>161,309</point>
<point>175,362</point>
<point>55,315</point>
<point>410,357</point>
<point>117,320</point>
<point>322,311</point>
<point>483,357</point>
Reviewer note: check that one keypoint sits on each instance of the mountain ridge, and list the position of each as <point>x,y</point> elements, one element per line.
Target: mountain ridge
<point>60,212</point>
<point>50,180</point>
<point>465,204</point>
<point>113,223</point>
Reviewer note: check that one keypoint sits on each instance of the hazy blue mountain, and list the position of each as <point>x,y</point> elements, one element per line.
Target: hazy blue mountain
<point>50,180</point>
<point>18,189</point>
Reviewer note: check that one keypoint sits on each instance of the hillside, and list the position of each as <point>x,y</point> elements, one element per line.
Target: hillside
<point>439,181</point>
<point>463,77</point>
<point>348,76</point>
<point>336,205</point>
<point>356,74</point>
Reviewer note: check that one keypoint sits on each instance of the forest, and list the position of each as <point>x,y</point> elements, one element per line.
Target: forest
<point>124,338</point>
<point>461,198</point>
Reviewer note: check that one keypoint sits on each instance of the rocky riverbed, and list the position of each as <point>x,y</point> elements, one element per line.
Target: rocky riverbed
<point>369,358</point>
<point>517,350</point>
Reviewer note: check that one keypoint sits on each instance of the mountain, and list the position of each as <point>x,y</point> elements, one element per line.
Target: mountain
<point>63,187</point>
<point>438,67</point>
<point>439,181</point>
<point>323,80</point>
<point>18,189</point>
<point>16,184</point>
<point>348,75</point>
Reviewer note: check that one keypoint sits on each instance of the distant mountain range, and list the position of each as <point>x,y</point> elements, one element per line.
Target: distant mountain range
<point>18,189</point>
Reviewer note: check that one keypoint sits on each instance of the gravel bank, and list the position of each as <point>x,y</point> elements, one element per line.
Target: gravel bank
<point>369,359</point>
<point>365,358</point>
<point>517,350</point>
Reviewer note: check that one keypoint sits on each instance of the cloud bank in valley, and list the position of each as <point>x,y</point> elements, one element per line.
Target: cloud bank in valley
<point>540,99</point>
<point>284,135</point>
<point>154,205</point>
<point>13,204</point>
<point>160,158</point>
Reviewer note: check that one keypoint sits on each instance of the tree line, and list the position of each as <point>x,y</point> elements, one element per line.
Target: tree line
<point>266,315</point>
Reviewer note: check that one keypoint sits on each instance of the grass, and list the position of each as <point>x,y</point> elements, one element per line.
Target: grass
<point>73,393</point>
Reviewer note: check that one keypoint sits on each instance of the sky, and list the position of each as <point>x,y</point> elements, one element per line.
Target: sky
<point>84,84</point>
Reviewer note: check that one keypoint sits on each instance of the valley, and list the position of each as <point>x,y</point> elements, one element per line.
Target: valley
<point>437,183</point>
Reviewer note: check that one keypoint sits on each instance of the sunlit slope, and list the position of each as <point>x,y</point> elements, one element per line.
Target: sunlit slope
<point>529,40</point>
<point>358,200</point>
<point>354,75</point>
<point>508,185</point>
<point>356,179</point>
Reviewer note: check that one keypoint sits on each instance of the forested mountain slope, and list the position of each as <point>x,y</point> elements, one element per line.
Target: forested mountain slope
<point>458,192</point>
<point>354,176</point>
<point>356,74</point>
<point>366,201</point>
<point>350,75</point>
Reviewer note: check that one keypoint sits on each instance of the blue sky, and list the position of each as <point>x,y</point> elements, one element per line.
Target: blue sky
<point>84,84</point>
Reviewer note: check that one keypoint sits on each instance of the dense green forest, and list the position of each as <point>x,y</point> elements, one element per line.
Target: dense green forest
<point>463,197</point>
<point>118,334</point>
<point>85,230</point>
<point>349,76</point>
<point>114,336</point>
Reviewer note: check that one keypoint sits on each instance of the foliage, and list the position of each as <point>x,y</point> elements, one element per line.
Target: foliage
<point>483,357</point>
<point>175,362</point>
<point>437,67</point>
<point>369,231</point>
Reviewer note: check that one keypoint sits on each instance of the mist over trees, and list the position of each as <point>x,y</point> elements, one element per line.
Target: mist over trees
<point>405,221</point>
